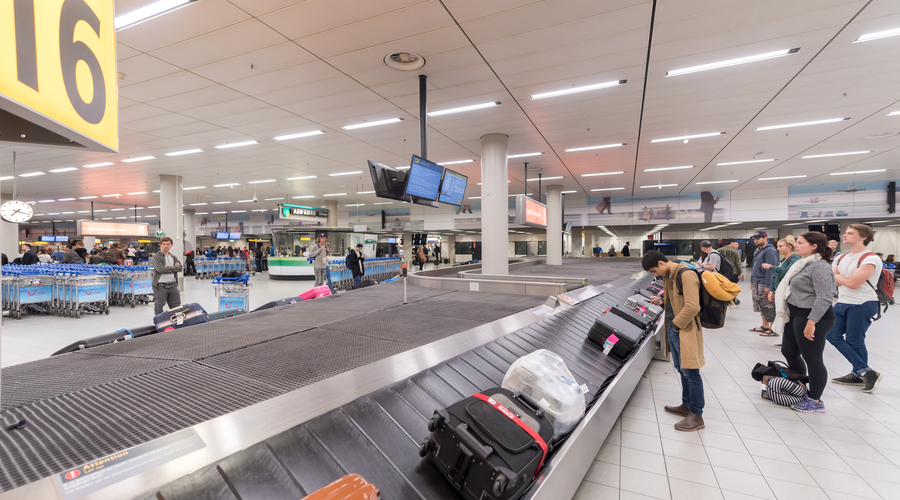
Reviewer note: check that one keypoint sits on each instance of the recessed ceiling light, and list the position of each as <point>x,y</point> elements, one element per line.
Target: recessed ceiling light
<point>273,199</point>
<point>236,144</point>
<point>198,204</point>
<point>667,168</point>
<point>46,201</point>
<point>687,137</point>
<point>506,182</point>
<point>743,162</point>
<point>111,210</point>
<point>456,162</point>
<point>878,34</point>
<point>877,221</point>
<point>802,124</point>
<point>220,212</point>
<point>602,146</point>
<point>302,197</point>
<point>66,199</point>
<point>147,12</point>
<point>53,213</point>
<point>567,192</point>
<point>301,178</point>
<point>839,154</point>
<point>104,218</point>
<point>137,192</point>
<point>245,201</point>
<point>31,174</point>
<point>261,182</point>
<point>546,178</point>
<point>218,203</point>
<point>65,169</point>
<point>859,172</point>
<point>193,188</point>
<point>6,178</point>
<point>384,203</point>
<point>335,194</point>
<point>297,136</point>
<point>260,210</point>
<point>238,211</point>
<point>524,155</point>
<point>225,185</point>
<point>157,206</point>
<point>111,195</point>
<point>101,210</point>
<point>474,197</point>
<point>372,124</point>
<point>732,62</point>
<point>601,173</point>
<point>84,211</point>
<point>608,189</point>
<point>894,113</point>
<point>780,178</point>
<point>95,165</point>
<point>660,186</point>
<point>356,205</point>
<point>365,192</point>
<point>156,191</point>
<point>345,173</point>
<point>464,109</point>
<point>575,90</point>
<point>129,160</point>
<point>87,197</point>
<point>717,182</point>
<point>202,213</point>
<point>185,152</point>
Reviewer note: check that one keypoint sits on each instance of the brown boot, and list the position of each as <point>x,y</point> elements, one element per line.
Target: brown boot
<point>681,410</point>
<point>692,422</point>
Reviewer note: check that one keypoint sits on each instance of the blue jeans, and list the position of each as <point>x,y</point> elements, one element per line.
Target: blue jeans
<point>357,279</point>
<point>328,279</point>
<point>691,383</point>
<point>849,332</point>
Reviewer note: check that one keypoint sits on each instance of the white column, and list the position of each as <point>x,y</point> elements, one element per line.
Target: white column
<point>554,225</point>
<point>407,249</point>
<point>190,228</point>
<point>577,243</point>
<point>448,248</point>
<point>171,215</point>
<point>494,204</point>
<point>332,206</point>
<point>9,234</point>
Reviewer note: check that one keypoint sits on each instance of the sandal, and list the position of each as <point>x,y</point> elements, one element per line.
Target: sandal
<point>758,329</point>
<point>768,333</point>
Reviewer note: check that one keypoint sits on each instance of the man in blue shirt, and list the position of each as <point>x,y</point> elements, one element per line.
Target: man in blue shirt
<point>761,280</point>
<point>58,255</point>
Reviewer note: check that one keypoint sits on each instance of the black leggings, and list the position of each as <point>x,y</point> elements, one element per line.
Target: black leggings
<point>801,353</point>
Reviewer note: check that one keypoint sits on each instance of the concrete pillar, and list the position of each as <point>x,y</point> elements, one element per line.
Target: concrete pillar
<point>448,248</point>
<point>554,225</point>
<point>577,243</point>
<point>171,215</point>
<point>9,234</point>
<point>407,249</point>
<point>332,206</point>
<point>494,204</point>
<point>190,228</point>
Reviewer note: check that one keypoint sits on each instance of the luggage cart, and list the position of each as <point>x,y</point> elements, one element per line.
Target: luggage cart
<point>131,285</point>
<point>233,293</point>
<point>87,292</point>
<point>31,294</point>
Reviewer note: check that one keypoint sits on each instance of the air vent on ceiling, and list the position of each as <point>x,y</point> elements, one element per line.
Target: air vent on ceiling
<point>404,61</point>
<point>532,168</point>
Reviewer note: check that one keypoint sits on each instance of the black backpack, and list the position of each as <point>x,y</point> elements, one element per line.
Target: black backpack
<point>727,269</point>
<point>712,310</point>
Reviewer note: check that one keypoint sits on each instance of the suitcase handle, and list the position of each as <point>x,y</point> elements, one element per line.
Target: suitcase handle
<point>480,451</point>
<point>529,402</point>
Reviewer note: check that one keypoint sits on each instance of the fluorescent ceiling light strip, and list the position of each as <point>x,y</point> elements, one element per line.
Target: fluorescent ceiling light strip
<point>566,192</point>
<point>372,124</point>
<point>608,189</point>
<point>365,192</point>
<point>474,197</point>
<point>838,154</point>
<point>716,182</point>
<point>31,174</point>
<point>87,197</point>
<point>198,204</point>
<point>226,185</point>
<point>136,192</point>
<point>601,173</point>
<point>457,162</point>
<point>859,172</point>
<point>238,211</point>
<point>402,168</point>
<point>780,178</point>
<point>463,109</point>
<point>576,90</point>
<point>297,136</point>
<point>95,165</point>
<point>356,205</point>
<point>6,178</point>
<point>185,152</point>
<point>894,113</point>
<point>546,178</point>
<point>602,146</point>
<point>236,144</point>
<point>384,203</point>
<point>878,34</point>
<point>273,199</point>
<point>524,155</point>
<point>218,203</point>
<point>245,201</point>
<point>338,174</point>
<point>217,213</point>
<point>111,210</point>
<point>301,178</point>
<point>802,124</point>
<point>743,162</point>
<point>193,188</point>
<point>260,210</point>
<point>111,195</point>
<point>66,169</point>
<point>45,201</point>
<point>148,12</point>
<point>335,194</point>
<point>302,197</point>
<point>130,160</point>
<point>66,199</point>
<point>262,181</point>
<point>732,62</point>
<point>658,186</point>
<point>667,168</point>
<point>686,137</point>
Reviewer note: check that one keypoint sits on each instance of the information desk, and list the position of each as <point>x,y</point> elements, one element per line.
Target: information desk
<point>290,268</point>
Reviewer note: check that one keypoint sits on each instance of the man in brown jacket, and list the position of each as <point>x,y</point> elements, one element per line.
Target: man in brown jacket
<point>685,337</point>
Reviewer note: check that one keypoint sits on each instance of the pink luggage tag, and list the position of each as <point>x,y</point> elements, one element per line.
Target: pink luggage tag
<point>610,342</point>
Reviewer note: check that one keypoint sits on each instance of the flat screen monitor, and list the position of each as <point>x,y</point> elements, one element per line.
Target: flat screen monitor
<point>221,236</point>
<point>392,240</point>
<point>424,179</point>
<point>530,212</point>
<point>453,188</point>
<point>234,236</point>
<point>389,182</point>
<point>62,238</point>
<point>48,238</point>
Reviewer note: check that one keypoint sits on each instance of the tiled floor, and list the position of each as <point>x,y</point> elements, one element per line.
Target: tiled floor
<point>752,448</point>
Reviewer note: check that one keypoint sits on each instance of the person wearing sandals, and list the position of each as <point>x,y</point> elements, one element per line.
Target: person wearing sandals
<point>761,280</point>
<point>804,314</point>
<point>788,257</point>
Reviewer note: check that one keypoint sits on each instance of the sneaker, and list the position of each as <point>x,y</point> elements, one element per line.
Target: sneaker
<point>872,378</point>
<point>809,405</point>
<point>849,379</point>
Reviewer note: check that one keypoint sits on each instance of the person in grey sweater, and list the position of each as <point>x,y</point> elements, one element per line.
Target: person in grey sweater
<point>812,290</point>
<point>319,252</point>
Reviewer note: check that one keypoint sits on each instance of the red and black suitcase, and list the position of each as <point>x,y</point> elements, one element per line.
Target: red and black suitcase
<point>490,445</point>
<point>623,336</point>
<point>633,317</point>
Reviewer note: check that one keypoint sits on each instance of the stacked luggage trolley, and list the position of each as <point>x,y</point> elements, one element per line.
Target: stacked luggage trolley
<point>233,293</point>
<point>59,290</point>
<point>210,268</point>
<point>377,270</point>
<point>131,285</point>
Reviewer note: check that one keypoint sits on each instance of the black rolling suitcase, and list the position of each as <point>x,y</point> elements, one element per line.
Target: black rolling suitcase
<point>490,445</point>
<point>635,318</point>
<point>278,303</point>
<point>626,336</point>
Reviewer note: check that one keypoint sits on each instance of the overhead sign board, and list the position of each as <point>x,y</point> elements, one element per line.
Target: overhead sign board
<point>95,228</point>
<point>58,78</point>
<point>287,211</point>
<point>530,212</point>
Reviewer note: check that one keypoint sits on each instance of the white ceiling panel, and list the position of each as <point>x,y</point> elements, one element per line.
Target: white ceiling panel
<point>188,22</point>
<point>240,38</point>
<point>143,67</point>
<point>288,77</point>
<point>165,86</point>
<point>315,16</point>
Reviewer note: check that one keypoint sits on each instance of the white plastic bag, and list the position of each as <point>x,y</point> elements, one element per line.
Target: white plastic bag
<point>543,375</point>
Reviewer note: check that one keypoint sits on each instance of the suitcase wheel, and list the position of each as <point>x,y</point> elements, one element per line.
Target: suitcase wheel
<point>499,485</point>
<point>437,420</point>
<point>424,447</point>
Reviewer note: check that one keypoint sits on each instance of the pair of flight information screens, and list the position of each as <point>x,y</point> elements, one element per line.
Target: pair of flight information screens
<point>431,181</point>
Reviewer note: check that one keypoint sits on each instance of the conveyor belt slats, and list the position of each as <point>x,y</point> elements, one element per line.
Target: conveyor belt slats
<point>256,473</point>
<point>301,454</point>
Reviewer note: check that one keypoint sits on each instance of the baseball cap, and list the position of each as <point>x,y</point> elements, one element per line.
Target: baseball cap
<point>760,234</point>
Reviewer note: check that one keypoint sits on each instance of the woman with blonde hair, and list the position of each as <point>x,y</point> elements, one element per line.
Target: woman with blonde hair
<point>788,258</point>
